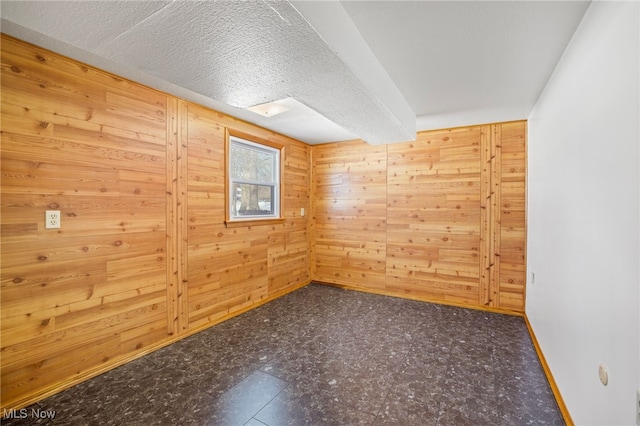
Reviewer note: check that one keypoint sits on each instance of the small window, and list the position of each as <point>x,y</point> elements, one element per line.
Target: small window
<point>253,179</point>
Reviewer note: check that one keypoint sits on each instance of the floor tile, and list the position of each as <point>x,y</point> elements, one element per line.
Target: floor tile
<point>239,404</point>
<point>401,408</point>
<point>295,407</point>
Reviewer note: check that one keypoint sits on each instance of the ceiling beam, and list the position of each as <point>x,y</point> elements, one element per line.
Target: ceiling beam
<point>332,23</point>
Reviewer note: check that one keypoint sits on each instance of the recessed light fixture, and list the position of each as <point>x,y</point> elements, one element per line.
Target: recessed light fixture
<point>269,109</point>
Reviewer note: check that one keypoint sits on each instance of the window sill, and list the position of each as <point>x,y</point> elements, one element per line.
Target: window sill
<point>253,222</point>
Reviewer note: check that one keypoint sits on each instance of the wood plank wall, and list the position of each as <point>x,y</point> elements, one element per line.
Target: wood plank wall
<point>143,256</point>
<point>439,219</point>
<point>232,268</point>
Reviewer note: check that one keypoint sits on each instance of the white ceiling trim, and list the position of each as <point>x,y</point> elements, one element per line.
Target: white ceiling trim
<point>473,117</point>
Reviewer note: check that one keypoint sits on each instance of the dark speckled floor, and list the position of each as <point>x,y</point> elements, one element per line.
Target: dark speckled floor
<point>325,356</point>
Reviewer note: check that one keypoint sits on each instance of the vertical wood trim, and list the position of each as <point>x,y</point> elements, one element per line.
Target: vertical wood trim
<point>526,211</point>
<point>485,215</point>
<point>496,181</point>
<point>386,213</point>
<point>227,189</point>
<point>312,214</point>
<point>182,215</point>
<point>177,303</point>
<point>490,199</point>
<point>173,283</point>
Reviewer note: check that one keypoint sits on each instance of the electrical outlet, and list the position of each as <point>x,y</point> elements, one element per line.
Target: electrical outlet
<point>52,219</point>
<point>638,407</point>
<point>302,211</point>
<point>603,374</point>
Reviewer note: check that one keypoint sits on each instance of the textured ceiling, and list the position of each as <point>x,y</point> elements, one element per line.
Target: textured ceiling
<point>373,70</point>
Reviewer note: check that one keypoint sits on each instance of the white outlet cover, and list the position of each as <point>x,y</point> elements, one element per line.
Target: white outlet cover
<point>52,219</point>
<point>638,407</point>
<point>604,375</point>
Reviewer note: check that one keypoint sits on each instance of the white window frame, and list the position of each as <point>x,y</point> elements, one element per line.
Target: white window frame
<point>254,143</point>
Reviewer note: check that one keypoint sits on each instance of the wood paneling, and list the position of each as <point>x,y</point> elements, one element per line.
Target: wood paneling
<point>512,216</point>
<point>433,212</point>
<point>231,268</point>
<point>440,219</point>
<point>350,227</point>
<point>79,141</point>
<point>143,257</point>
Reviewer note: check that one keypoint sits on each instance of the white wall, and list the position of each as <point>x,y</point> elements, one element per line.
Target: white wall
<point>584,217</point>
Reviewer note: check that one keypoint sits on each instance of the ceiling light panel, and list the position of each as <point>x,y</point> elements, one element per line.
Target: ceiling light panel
<point>269,109</point>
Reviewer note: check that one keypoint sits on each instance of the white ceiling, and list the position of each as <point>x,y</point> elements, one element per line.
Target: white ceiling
<point>376,70</point>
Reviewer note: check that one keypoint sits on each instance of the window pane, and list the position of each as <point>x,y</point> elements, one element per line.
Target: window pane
<point>249,163</point>
<point>252,200</point>
<point>254,180</point>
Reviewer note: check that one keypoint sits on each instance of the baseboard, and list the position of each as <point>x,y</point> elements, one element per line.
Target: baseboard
<point>547,371</point>
<point>422,299</point>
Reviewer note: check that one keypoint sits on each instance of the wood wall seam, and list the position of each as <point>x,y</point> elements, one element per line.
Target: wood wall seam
<point>496,185</point>
<point>181,239</point>
<point>485,216</point>
<point>173,309</point>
